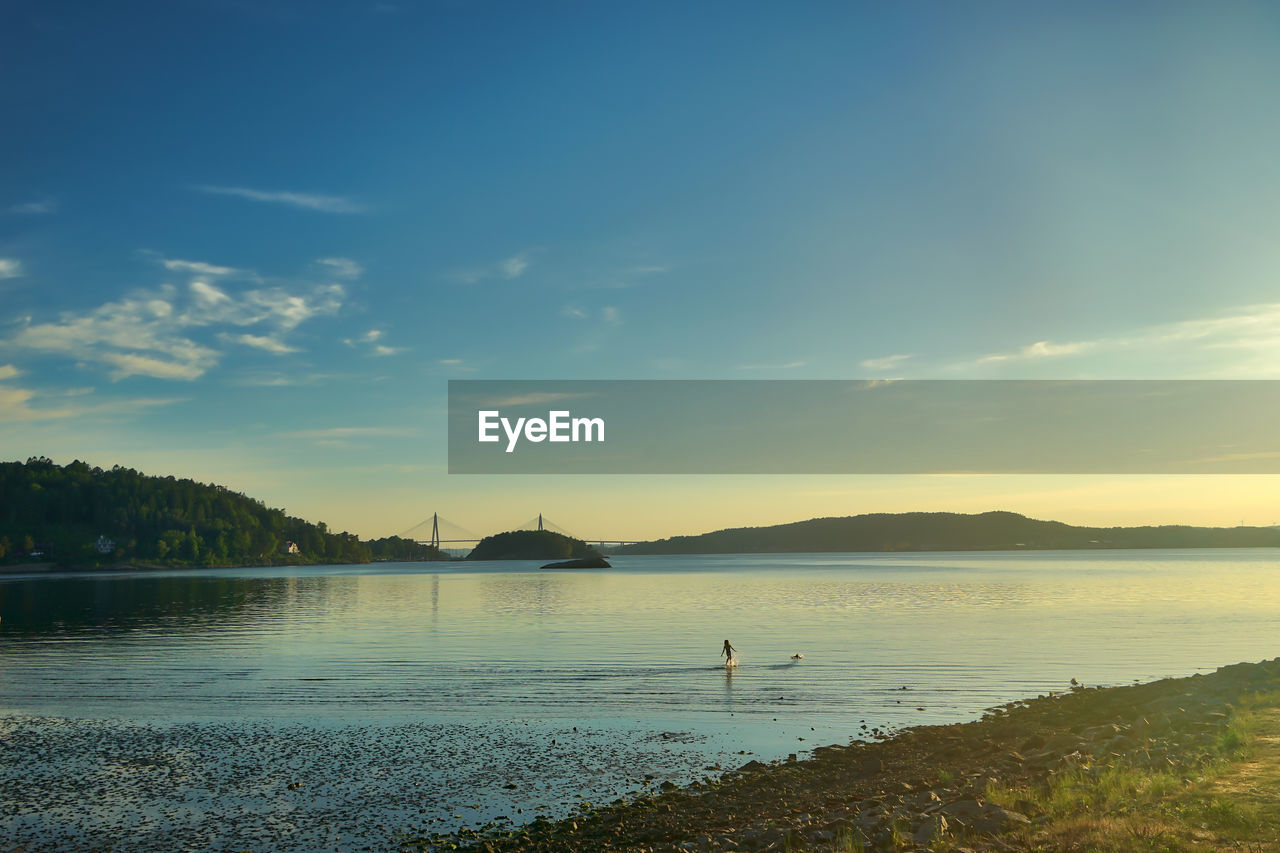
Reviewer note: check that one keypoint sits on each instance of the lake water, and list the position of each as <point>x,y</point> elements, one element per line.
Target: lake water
<point>333,707</point>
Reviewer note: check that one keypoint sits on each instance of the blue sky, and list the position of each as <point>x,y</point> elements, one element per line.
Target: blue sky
<point>251,242</point>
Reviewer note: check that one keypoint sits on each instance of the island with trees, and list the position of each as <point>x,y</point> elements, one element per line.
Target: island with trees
<point>532,545</point>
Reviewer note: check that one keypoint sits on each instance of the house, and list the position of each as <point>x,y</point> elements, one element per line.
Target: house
<point>290,547</point>
<point>104,545</point>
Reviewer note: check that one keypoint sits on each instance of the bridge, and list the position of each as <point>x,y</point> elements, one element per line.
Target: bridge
<point>444,535</point>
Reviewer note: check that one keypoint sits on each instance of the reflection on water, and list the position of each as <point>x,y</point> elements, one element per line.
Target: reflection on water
<point>621,654</point>
<point>500,639</point>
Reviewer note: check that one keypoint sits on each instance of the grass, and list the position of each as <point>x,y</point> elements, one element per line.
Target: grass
<point>1230,800</point>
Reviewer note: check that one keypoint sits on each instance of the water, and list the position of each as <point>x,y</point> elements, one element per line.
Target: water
<point>418,692</point>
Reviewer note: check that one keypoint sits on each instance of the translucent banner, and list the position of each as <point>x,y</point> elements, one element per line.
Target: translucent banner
<point>863,427</point>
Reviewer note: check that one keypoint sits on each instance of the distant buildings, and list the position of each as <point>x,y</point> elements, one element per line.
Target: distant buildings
<point>290,547</point>
<point>104,545</point>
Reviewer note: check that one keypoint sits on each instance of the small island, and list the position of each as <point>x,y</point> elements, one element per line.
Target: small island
<point>533,545</point>
<point>583,563</point>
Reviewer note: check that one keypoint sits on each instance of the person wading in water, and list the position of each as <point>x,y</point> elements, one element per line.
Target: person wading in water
<point>728,651</point>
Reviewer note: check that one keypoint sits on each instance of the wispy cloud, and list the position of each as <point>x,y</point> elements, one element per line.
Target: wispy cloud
<point>888,362</point>
<point>198,267</point>
<point>514,267</point>
<point>609,314</point>
<point>1252,330</point>
<point>351,432</point>
<point>276,379</point>
<point>306,201</point>
<point>10,268</point>
<point>536,398</point>
<point>369,340</point>
<point>38,207</point>
<point>15,402</point>
<point>343,267</point>
<point>262,342</point>
<point>1242,457</point>
<point>151,332</point>
<point>507,268</point>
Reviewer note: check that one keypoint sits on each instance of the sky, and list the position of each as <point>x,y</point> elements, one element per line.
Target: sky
<point>251,242</point>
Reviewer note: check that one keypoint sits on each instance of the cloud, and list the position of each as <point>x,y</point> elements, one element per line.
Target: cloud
<point>1242,457</point>
<point>271,306</point>
<point>10,268</point>
<point>536,398</point>
<point>151,333</point>
<point>1042,349</point>
<point>888,362</point>
<point>262,342</point>
<point>306,201</point>
<point>1253,330</point>
<point>507,268</point>
<point>351,432</point>
<point>275,379</point>
<point>199,267</point>
<point>39,207</point>
<point>343,267</point>
<point>15,402</point>
<point>453,362</point>
<point>514,267</point>
<point>375,349</point>
<point>608,314</point>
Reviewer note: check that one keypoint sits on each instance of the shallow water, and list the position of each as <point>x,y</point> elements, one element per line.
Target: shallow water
<point>422,690</point>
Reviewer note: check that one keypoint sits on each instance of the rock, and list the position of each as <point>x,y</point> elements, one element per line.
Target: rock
<point>996,819</point>
<point>964,808</point>
<point>930,829</point>
<point>583,563</point>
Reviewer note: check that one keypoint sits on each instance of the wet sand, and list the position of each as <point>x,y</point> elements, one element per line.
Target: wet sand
<point>84,784</point>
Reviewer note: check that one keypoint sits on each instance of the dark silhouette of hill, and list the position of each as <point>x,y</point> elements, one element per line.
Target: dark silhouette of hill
<point>60,511</point>
<point>531,545</point>
<point>948,531</point>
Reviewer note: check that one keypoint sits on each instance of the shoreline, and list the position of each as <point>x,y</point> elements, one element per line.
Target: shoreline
<point>48,568</point>
<point>55,569</point>
<point>961,786</point>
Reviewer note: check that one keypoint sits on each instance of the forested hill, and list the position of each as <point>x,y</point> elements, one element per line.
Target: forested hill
<point>942,531</point>
<point>59,513</point>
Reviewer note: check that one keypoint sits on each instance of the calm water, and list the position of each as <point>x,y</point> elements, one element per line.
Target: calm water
<point>457,681</point>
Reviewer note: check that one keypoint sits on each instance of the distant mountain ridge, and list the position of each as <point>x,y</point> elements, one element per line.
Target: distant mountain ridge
<point>948,531</point>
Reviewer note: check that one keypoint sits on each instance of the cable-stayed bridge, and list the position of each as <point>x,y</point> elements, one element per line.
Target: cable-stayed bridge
<point>447,536</point>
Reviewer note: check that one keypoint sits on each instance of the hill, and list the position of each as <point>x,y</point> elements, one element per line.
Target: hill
<point>531,545</point>
<point>948,531</point>
<point>61,514</point>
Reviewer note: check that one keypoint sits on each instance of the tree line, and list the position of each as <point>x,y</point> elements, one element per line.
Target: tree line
<point>60,511</point>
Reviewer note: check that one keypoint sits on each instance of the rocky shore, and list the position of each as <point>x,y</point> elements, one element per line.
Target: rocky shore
<point>949,787</point>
